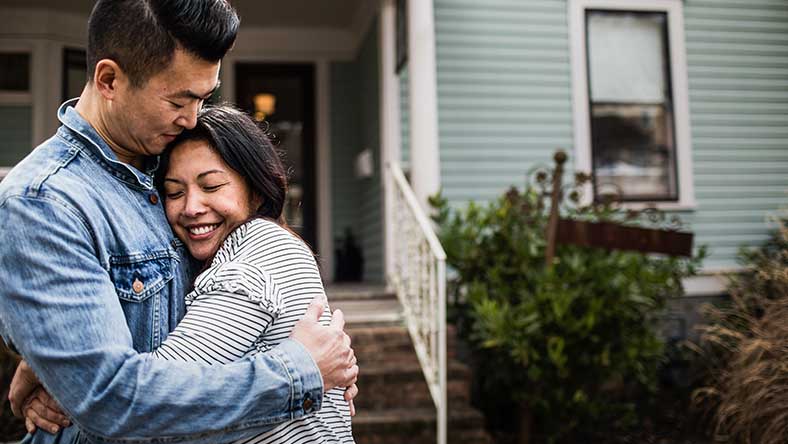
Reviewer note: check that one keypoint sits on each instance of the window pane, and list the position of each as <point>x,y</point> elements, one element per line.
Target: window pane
<point>632,127</point>
<point>74,73</point>
<point>633,151</point>
<point>626,62</point>
<point>14,72</point>
<point>15,129</point>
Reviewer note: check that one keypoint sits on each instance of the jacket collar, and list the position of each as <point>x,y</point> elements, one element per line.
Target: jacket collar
<point>93,142</point>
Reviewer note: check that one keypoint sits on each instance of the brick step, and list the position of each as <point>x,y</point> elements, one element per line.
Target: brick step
<point>388,342</point>
<point>401,384</point>
<point>417,426</point>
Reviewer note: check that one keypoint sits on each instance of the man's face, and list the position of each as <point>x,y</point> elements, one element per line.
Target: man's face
<point>145,119</point>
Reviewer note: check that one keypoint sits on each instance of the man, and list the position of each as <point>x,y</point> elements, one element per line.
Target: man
<point>93,276</point>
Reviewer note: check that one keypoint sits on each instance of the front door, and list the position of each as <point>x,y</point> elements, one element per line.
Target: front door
<point>283,96</point>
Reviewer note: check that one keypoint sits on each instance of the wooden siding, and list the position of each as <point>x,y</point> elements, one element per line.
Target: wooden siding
<point>737,55</point>
<point>504,95</point>
<point>356,202</point>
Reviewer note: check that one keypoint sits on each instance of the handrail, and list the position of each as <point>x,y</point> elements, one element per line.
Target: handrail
<point>419,279</point>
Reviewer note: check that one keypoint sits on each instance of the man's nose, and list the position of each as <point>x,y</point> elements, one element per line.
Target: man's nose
<point>188,118</point>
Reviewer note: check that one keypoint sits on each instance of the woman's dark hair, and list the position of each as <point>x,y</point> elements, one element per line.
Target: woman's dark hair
<point>142,35</point>
<point>245,148</point>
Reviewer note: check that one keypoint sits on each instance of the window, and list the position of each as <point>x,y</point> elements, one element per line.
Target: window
<point>630,100</point>
<point>74,73</point>
<point>15,108</point>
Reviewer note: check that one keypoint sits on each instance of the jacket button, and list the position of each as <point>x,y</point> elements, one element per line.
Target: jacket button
<point>137,286</point>
<point>307,404</point>
<point>154,199</point>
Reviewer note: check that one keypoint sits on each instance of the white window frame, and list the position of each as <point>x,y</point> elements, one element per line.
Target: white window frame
<point>678,71</point>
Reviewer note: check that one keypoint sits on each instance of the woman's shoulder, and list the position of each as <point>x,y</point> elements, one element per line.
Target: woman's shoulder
<point>260,238</point>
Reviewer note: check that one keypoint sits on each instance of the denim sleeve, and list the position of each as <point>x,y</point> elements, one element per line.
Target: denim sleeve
<point>58,306</point>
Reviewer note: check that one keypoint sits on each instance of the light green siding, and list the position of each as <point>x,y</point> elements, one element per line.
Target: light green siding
<point>503,92</point>
<point>504,95</point>
<point>404,111</point>
<point>345,142</point>
<point>356,202</point>
<point>737,55</point>
<point>15,133</point>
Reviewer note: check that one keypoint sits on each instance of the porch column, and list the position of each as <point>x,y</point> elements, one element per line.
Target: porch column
<point>422,73</point>
<point>389,121</point>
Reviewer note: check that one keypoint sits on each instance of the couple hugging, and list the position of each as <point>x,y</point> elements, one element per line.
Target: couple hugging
<point>130,333</point>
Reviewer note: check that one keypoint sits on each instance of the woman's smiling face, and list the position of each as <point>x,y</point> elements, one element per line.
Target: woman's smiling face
<point>205,200</point>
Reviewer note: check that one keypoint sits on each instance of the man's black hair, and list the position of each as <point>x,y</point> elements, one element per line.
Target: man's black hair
<point>141,35</point>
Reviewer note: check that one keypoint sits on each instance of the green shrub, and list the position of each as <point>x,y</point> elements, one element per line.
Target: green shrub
<point>574,345</point>
<point>744,344</point>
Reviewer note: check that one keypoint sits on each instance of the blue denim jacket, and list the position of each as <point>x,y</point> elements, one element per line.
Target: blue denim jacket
<point>93,278</point>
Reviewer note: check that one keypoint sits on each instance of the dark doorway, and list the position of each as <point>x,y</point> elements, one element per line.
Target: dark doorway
<point>284,96</point>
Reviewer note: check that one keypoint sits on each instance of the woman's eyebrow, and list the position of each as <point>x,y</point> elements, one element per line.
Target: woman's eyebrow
<point>203,174</point>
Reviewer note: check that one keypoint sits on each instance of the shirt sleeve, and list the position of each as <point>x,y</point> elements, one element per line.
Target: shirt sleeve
<point>58,306</point>
<point>230,308</point>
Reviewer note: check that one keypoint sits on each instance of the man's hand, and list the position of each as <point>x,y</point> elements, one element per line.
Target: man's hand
<point>22,385</point>
<point>329,346</point>
<point>43,412</point>
<point>29,400</point>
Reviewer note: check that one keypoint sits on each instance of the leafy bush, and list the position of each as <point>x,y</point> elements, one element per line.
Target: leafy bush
<point>745,346</point>
<point>574,344</point>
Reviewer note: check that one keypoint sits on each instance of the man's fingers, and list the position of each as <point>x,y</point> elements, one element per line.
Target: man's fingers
<point>315,310</point>
<point>338,320</point>
<point>46,408</point>
<point>29,426</point>
<point>351,392</point>
<point>23,384</point>
<point>40,422</point>
<point>53,410</point>
<point>352,408</point>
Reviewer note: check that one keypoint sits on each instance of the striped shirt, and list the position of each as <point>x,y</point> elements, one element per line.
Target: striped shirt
<point>258,286</point>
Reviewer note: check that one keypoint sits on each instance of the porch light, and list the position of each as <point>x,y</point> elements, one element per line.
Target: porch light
<point>264,106</point>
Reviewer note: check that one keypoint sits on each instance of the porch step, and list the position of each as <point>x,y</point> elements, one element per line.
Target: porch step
<point>365,304</point>
<point>417,426</point>
<point>394,404</point>
<point>400,384</point>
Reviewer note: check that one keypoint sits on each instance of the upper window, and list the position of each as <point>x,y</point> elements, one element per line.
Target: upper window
<point>630,100</point>
<point>14,71</point>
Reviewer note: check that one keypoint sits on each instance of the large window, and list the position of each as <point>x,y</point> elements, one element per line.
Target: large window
<point>630,99</point>
<point>15,108</point>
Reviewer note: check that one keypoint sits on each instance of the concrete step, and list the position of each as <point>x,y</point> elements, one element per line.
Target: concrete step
<point>401,384</point>
<point>417,426</point>
<point>373,343</point>
<point>365,305</point>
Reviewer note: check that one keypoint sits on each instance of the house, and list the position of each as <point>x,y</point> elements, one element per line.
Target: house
<point>682,104</point>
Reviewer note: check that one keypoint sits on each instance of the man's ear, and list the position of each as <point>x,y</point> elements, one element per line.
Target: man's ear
<point>108,77</point>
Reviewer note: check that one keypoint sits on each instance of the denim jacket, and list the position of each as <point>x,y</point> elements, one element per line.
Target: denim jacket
<point>94,279</point>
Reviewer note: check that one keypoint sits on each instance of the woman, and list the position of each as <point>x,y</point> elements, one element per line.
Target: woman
<point>224,188</point>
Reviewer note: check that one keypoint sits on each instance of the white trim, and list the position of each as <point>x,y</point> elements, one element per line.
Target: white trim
<point>325,238</point>
<point>389,125</point>
<point>423,104</point>
<point>678,69</point>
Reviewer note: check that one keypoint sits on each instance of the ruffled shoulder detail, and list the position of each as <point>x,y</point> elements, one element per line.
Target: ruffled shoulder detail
<point>240,278</point>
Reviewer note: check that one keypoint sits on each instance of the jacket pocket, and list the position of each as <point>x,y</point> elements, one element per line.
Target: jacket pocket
<point>137,277</point>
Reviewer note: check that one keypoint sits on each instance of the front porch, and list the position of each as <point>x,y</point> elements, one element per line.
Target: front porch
<point>323,74</point>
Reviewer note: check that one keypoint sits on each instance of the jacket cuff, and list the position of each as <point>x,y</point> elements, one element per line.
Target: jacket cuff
<point>306,393</point>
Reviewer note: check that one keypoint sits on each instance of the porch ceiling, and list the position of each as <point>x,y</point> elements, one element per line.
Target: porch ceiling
<point>272,13</point>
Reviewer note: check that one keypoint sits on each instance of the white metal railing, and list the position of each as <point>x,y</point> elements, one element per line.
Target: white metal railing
<point>419,279</point>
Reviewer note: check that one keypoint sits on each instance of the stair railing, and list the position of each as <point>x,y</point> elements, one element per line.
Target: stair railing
<point>419,279</point>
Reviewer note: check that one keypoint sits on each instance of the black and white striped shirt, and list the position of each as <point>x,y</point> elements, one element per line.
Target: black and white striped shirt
<point>258,286</point>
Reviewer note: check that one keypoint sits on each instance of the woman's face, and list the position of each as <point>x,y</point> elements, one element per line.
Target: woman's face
<point>205,199</point>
